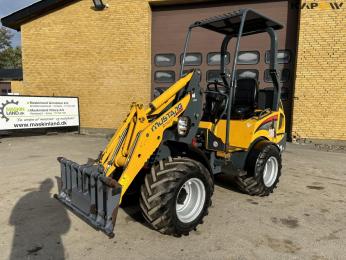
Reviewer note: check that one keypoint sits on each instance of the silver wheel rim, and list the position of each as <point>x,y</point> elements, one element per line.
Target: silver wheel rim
<point>190,200</point>
<point>270,171</point>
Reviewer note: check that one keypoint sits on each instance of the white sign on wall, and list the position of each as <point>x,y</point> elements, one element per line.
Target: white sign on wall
<point>24,112</point>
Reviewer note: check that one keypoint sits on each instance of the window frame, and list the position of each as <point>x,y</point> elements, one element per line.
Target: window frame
<point>199,53</point>
<point>160,66</point>
<point>242,70</point>
<point>155,78</point>
<point>206,76</point>
<point>251,51</point>
<point>216,52</point>
<point>267,54</point>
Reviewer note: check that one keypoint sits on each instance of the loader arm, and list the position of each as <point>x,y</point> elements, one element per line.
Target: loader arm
<point>144,139</point>
<point>138,137</point>
<point>94,191</point>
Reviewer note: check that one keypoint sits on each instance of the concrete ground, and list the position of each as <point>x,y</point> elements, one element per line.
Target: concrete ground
<point>305,218</point>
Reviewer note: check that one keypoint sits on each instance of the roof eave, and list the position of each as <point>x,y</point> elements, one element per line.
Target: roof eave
<point>31,12</point>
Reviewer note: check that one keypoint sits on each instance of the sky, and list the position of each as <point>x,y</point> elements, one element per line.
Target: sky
<point>9,6</point>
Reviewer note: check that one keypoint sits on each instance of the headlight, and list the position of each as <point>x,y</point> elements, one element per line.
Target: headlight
<point>183,125</point>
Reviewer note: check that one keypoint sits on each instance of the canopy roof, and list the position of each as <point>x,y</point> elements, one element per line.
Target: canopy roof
<point>229,23</point>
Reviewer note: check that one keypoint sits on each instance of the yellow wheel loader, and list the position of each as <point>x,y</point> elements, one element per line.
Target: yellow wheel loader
<point>175,146</point>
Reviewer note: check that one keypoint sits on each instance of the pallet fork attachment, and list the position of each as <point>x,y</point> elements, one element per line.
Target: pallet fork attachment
<point>89,194</point>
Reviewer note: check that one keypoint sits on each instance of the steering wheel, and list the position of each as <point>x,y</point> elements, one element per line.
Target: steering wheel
<point>215,84</point>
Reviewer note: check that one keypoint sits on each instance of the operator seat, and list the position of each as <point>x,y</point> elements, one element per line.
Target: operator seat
<point>245,101</point>
<point>245,98</point>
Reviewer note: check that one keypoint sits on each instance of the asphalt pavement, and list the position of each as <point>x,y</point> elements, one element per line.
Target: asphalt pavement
<point>305,218</point>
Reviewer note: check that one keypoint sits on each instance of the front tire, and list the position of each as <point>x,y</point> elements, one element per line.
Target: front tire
<point>263,170</point>
<point>175,195</point>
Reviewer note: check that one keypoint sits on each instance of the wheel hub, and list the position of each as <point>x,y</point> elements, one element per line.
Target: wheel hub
<point>270,171</point>
<point>190,200</point>
<point>182,196</point>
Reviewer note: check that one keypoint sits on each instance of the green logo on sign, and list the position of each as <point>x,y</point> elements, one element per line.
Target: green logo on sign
<point>11,108</point>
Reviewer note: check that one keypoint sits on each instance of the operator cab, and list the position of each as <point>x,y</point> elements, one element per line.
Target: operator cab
<point>244,103</point>
<point>233,98</point>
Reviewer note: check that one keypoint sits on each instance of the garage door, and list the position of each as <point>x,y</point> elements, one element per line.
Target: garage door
<point>169,27</point>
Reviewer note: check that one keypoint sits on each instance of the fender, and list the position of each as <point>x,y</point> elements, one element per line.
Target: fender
<point>172,148</point>
<point>261,143</point>
<point>256,146</point>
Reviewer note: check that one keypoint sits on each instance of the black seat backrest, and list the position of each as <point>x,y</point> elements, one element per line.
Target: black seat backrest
<point>265,98</point>
<point>245,102</point>
<point>246,92</point>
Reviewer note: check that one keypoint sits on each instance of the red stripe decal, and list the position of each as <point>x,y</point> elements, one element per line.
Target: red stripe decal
<point>273,118</point>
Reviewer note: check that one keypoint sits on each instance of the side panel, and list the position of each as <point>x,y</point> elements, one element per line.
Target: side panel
<point>244,132</point>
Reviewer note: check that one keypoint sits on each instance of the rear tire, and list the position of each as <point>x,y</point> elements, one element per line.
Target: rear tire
<point>263,171</point>
<point>175,195</point>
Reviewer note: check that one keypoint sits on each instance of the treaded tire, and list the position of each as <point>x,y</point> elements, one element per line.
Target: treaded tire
<point>160,190</point>
<point>251,182</point>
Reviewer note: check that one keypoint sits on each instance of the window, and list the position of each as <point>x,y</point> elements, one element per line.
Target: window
<point>284,76</point>
<point>192,59</point>
<point>164,60</point>
<point>250,73</point>
<point>248,57</point>
<point>213,75</point>
<point>214,58</point>
<point>164,76</point>
<point>283,56</point>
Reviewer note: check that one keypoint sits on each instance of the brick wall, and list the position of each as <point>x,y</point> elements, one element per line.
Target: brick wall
<point>104,58</point>
<point>101,56</point>
<point>320,90</point>
<point>17,87</point>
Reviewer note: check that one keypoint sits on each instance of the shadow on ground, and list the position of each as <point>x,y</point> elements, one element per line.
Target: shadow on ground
<point>130,205</point>
<point>227,182</point>
<point>39,221</point>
